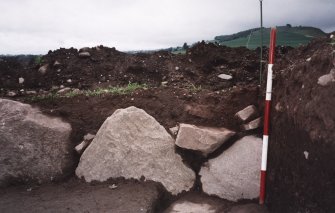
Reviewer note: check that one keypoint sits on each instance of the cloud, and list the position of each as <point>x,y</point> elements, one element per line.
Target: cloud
<point>35,26</point>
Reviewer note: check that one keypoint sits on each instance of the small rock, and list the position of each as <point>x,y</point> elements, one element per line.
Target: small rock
<point>43,69</point>
<point>254,124</point>
<point>69,81</point>
<point>190,207</point>
<point>174,130</point>
<point>59,70</point>
<point>56,64</point>
<point>309,59</point>
<point>112,186</point>
<point>80,148</point>
<point>11,94</point>
<point>278,107</point>
<point>61,86</point>
<point>84,49</point>
<point>176,68</point>
<point>164,83</point>
<point>31,92</point>
<point>64,91</point>
<point>203,139</point>
<point>331,36</point>
<point>306,155</point>
<point>327,79</point>
<point>225,77</point>
<point>89,137</point>
<point>84,55</point>
<point>21,80</point>
<point>247,113</point>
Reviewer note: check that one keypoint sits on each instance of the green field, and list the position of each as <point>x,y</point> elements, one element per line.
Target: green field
<point>286,36</point>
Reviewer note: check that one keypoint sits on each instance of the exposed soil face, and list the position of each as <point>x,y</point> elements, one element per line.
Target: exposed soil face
<point>302,112</point>
<point>301,155</point>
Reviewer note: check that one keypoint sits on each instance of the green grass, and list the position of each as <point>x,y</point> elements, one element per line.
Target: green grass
<point>131,87</point>
<point>286,36</point>
<point>193,88</point>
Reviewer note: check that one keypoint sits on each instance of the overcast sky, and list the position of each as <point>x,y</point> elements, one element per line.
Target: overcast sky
<point>36,26</point>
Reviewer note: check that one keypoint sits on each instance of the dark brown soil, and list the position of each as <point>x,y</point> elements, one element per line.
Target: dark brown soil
<point>303,122</point>
<point>75,196</point>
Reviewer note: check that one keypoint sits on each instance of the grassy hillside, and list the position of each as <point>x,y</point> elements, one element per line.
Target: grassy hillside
<point>286,36</point>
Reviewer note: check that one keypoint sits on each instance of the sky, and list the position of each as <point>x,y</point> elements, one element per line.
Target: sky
<point>37,26</point>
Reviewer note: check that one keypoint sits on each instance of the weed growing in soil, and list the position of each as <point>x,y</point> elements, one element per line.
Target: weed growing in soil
<point>193,88</point>
<point>131,87</point>
<point>116,90</point>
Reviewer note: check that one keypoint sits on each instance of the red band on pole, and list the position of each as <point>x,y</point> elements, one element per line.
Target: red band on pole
<point>262,190</point>
<point>272,46</point>
<point>266,117</point>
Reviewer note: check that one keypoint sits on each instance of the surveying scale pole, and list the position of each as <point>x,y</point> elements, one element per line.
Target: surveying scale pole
<point>267,115</point>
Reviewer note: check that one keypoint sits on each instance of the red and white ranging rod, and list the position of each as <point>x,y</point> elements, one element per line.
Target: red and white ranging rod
<point>267,115</point>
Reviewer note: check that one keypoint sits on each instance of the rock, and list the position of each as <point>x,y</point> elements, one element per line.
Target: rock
<point>69,81</point>
<point>132,144</point>
<point>43,69</point>
<point>176,68</point>
<point>225,77</point>
<point>85,143</point>
<point>235,173</point>
<point>84,55</point>
<point>21,80</point>
<point>11,93</point>
<point>174,130</point>
<point>254,124</point>
<point>306,154</point>
<point>84,49</point>
<point>31,92</point>
<point>64,91</point>
<point>247,113</point>
<point>33,146</point>
<point>249,208</point>
<point>164,83</point>
<point>82,146</point>
<point>57,64</point>
<point>309,59</point>
<point>331,36</point>
<point>89,137</point>
<point>203,139</point>
<point>327,79</point>
<point>190,207</point>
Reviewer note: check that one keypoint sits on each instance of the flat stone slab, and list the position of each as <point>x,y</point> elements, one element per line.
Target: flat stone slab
<point>132,144</point>
<point>80,197</point>
<point>235,174</point>
<point>203,139</point>
<point>247,113</point>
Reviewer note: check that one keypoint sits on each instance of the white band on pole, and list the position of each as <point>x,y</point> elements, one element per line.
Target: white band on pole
<point>269,83</point>
<point>265,152</point>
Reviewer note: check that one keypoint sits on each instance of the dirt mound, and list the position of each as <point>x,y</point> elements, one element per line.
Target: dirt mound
<point>302,146</point>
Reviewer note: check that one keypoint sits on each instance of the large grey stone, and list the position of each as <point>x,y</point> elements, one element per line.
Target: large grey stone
<point>235,173</point>
<point>132,144</point>
<point>203,139</point>
<point>33,146</point>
